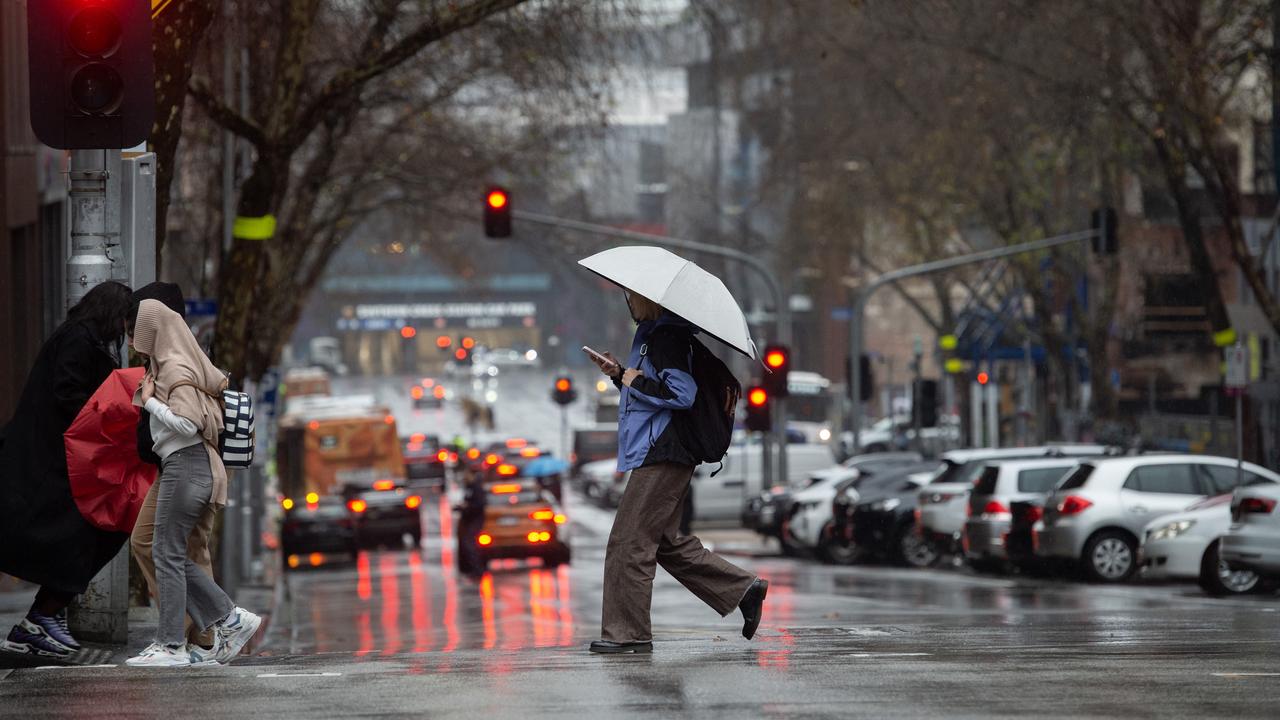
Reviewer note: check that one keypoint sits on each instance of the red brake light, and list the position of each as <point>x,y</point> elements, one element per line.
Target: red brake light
<point>384,484</point>
<point>560,519</point>
<point>530,452</point>
<point>439,392</point>
<point>443,456</point>
<point>517,443</point>
<point>413,501</point>
<point>473,454</point>
<point>1257,505</point>
<point>416,392</point>
<point>506,470</point>
<point>357,506</point>
<point>390,419</point>
<point>1073,504</point>
<point>492,459</point>
<point>418,438</point>
<point>995,507</point>
<point>1034,513</point>
<point>547,514</point>
<point>485,539</point>
<point>505,489</point>
<point>453,457</point>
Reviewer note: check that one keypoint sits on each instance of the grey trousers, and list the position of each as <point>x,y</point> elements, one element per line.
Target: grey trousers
<point>185,488</point>
<point>646,533</point>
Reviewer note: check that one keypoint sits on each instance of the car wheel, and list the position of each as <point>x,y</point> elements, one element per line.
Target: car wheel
<point>914,550</point>
<point>1219,580</point>
<point>1110,557</point>
<point>836,550</point>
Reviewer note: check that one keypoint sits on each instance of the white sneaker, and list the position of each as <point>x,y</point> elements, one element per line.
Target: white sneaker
<point>201,657</point>
<point>234,633</point>
<point>157,655</point>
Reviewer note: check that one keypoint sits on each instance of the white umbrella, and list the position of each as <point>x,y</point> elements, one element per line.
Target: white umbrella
<point>679,286</point>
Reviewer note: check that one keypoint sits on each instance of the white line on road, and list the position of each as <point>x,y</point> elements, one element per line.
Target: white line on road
<point>71,667</point>
<point>884,654</point>
<point>1246,674</point>
<point>280,675</point>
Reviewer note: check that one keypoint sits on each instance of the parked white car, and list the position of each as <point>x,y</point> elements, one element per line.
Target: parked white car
<point>809,511</point>
<point>1097,514</point>
<point>1253,542</point>
<point>723,497</point>
<point>1185,546</point>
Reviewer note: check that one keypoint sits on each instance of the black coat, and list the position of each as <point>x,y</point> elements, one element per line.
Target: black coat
<point>43,537</point>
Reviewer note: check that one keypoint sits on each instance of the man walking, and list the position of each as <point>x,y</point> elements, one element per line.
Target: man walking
<point>656,383</point>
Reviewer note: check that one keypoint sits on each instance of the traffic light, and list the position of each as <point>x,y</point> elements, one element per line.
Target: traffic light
<point>497,212</point>
<point>462,356</point>
<point>91,72</point>
<point>983,378</point>
<point>562,391</point>
<point>1104,224</point>
<point>777,360</point>
<point>758,417</point>
<point>926,403</point>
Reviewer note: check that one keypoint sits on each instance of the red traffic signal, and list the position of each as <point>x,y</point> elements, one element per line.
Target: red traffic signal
<point>92,77</point>
<point>562,392</point>
<point>983,378</point>
<point>759,418</point>
<point>777,360</point>
<point>497,212</point>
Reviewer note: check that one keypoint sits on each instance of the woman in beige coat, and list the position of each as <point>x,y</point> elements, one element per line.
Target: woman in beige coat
<point>182,391</point>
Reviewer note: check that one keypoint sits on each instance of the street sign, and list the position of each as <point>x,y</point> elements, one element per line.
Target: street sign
<point>1237,366</point>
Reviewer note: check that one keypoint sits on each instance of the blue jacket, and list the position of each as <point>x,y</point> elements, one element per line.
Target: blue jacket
<point>662,352</point>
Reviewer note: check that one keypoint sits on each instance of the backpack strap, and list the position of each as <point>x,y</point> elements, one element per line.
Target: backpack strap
<point>187,383</point>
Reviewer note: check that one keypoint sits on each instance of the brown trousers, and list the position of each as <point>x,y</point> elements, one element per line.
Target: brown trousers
<point>143,538</point>
<point>646,533</point>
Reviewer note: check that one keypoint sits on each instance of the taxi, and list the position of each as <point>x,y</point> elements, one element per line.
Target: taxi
<point>521,520</point>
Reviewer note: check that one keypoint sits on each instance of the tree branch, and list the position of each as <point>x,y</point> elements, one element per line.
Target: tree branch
<point>225,116</point>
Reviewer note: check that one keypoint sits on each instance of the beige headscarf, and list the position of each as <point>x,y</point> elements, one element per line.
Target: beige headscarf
<point>178,363</point>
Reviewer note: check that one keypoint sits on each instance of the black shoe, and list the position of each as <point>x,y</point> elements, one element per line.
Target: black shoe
<point>752,607</point>
<point>609,647</point>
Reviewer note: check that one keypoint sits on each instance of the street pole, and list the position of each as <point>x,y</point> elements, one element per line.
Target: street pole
<point>781,302</point>
<point>864,294</point>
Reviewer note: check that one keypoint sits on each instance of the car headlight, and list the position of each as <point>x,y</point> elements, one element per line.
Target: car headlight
<point>824,434</point>
<point>1172,530</point>
<point>886,504</point>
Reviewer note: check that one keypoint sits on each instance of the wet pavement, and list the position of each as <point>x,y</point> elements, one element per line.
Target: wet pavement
<point>399,633</point>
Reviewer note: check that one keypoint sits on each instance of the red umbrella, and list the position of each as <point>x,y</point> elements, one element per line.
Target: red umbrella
<point>108,479</point>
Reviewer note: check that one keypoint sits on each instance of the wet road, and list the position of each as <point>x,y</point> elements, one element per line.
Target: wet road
<point>398,634</point>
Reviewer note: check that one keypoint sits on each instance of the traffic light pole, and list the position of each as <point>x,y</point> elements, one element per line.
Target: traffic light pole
<point>864,294</point>
<point>775,288</point>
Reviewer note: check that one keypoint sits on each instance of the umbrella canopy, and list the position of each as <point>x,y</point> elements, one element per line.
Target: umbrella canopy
<point>679,286</point>
<point>108,479</point>
<point>545,467</point>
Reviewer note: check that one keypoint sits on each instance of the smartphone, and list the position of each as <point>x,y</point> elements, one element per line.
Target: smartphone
<point>598,356</point>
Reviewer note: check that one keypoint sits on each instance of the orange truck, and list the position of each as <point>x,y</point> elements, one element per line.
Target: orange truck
<point>337,446</point>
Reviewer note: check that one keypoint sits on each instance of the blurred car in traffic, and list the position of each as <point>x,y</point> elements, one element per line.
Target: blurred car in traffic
<point>428,394</point>
<point>385,515</point>
<point>1185,546</point>
<point>1253,541</point>
<point>316,524</point>
<point>990,519</point>
<point>521,521</point>
<point>884,524</point>
<point>1098,513</point>
<point>592,445</point>
<point>836,544</point>
<point>944,503</point>
<point>808,511</point>
<point>507,358</point>
<point>425,462</point>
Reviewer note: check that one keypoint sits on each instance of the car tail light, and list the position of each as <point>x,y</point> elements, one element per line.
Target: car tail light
<point>443,456</point>
<point>560,519</point>
<point>390,419</point>
<point>418,438</point>
<point>505,489</point>
<point>543,514</point>
<point>473,454</point>
<point>1073,504</point>
<point>315,559</point>
<point>995,507</point>
<point>439,392</point>
<point>416,392</point>
<point>544,536</point>
<point>506,470</point>
<point>384,484</point>
<point>294,561</point>
<point>453,457</point>
<point>492,459</point>
<point>287,503</point>
<point>1033,513</point>
<point>530,452</point>
<point>1257,505</point>
<point>357,506</point>
<point>517,443</point>
<point>485,539</point>
<point>413,501</point>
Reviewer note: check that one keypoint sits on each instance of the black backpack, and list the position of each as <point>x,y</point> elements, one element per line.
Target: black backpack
<point>706,429</point>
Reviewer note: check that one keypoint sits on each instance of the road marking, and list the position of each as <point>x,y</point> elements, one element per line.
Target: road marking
<point>887,654</point>
<point>1246,674</point>
<point>70,667</point>
<point>280,675</point>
